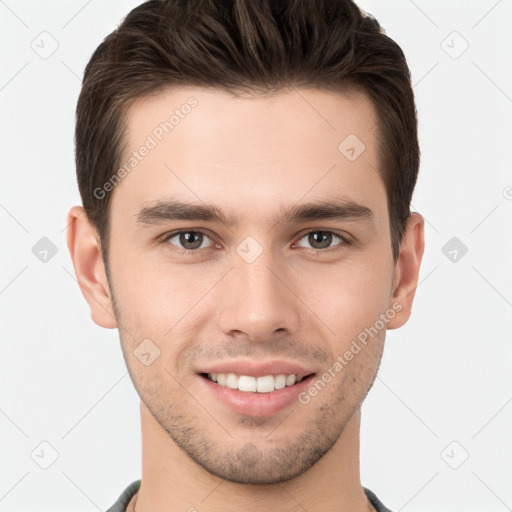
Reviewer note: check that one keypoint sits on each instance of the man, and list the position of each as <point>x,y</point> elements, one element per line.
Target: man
<point>246,169</point>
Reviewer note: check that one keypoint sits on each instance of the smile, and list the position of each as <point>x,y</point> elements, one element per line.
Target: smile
<point>248,383</point>
<point>254,396</point>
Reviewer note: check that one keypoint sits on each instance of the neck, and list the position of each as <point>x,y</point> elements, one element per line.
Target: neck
<point>171,480</point>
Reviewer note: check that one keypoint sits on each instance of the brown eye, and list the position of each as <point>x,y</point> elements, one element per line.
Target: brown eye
<point>322,239</point>
<point>188,240</point>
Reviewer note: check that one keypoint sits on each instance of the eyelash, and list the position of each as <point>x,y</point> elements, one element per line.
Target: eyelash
<point>340,246</point>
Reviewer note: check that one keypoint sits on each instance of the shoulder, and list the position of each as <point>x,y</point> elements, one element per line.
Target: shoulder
<point>379,506</point>
<point>123,500</point>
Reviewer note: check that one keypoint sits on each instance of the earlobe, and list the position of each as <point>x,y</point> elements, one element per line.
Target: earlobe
<point>407,270</point>
<point>89,268</point>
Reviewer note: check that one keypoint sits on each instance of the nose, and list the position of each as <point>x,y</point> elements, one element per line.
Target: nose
<point>257,300</point>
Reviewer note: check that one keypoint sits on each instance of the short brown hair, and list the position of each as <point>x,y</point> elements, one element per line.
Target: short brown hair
<point>251,46</point>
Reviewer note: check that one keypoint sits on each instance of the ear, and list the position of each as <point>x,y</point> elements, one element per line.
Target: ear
<point>407,270</point>
<point>84,248</point>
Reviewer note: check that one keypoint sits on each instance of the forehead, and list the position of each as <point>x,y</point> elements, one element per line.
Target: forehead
<point>250,152</point>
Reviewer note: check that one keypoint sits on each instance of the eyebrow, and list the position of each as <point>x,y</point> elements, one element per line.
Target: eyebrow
<point>169,210</point>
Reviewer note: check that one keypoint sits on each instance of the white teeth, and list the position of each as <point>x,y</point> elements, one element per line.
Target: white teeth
<point>264,384</point>
<point>290,380</point>
<point>280,381</point>
<point>232,381</point>
<point>246,383</point>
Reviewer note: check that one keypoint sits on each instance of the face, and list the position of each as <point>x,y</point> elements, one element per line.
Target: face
<point>247,241</point>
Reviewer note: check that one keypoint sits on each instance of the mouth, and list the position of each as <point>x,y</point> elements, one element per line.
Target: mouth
<point>261,396</point>
<point>259,385</point>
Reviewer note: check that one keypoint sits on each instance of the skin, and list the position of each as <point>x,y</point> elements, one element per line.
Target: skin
<point>250,157</point>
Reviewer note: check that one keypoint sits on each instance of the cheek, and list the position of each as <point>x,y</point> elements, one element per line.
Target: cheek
<point>152,292</point>
<point>158,302</point>
<point>348,297</point>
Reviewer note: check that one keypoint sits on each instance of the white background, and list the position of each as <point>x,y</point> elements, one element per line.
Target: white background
<point>445,376</point>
